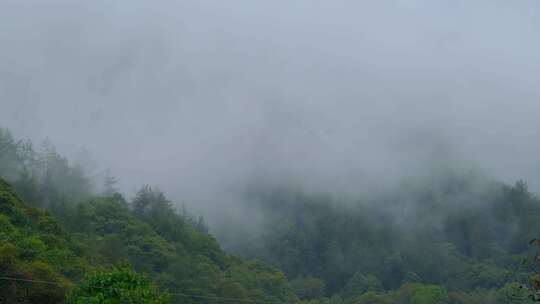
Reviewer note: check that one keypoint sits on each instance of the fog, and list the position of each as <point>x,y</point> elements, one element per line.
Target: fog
<point>201,97</point>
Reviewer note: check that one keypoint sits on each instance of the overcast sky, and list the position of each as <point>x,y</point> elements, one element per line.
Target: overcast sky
<point>195,95</point>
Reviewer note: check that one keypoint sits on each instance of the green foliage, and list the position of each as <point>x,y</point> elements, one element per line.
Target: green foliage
<point>121,285</point>
<point>466,233</point>
<point>308,288</point>
<point>360,283</point>
<point>428,294</point>
<point>34,247</point>
<point>411,277</point>
<point>478,297</point>
<point>372,297</point>
<point>173,248</point>
<point>41,177</point>
<point>512,293</point>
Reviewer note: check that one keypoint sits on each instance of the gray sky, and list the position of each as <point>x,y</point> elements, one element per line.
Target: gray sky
<point>200,95</point>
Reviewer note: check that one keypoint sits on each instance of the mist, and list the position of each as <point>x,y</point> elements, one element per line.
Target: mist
<point>204,98</point>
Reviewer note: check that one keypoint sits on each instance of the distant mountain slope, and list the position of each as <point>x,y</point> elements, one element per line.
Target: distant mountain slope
<point>459,232</point>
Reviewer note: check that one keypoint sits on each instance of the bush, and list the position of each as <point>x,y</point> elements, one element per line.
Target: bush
<point>121,285</point>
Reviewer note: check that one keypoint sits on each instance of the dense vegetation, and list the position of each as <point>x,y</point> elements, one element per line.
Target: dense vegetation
<point>462,233</point>
<point>121,285</point>
<point>453,239</point>
<point>173,249</point>
<point>34,247</point>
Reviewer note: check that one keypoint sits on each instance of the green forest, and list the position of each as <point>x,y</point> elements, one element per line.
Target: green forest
<point>455,238</point>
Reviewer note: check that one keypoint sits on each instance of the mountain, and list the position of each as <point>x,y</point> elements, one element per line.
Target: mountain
<point>453,238</point>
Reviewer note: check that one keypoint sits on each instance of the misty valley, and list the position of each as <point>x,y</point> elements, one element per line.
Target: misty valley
<point>269,152</point>
<point>68,237</point>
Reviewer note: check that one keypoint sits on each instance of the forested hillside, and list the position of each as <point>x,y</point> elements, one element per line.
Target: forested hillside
<point>461,232</point>
<point>83,232</point>
<point>459,238</point>
<point>269,152</point>
<point>34,247</point>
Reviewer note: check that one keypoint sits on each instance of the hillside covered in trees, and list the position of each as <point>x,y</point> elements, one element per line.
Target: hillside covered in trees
<point>81,233</point>
<point>463,233</point>
<point>457,239</point>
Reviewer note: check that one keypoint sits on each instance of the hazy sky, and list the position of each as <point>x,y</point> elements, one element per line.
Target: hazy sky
<point>198,94</point>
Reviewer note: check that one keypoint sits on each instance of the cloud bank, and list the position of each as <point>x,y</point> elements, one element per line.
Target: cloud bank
<point>201,96</point>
